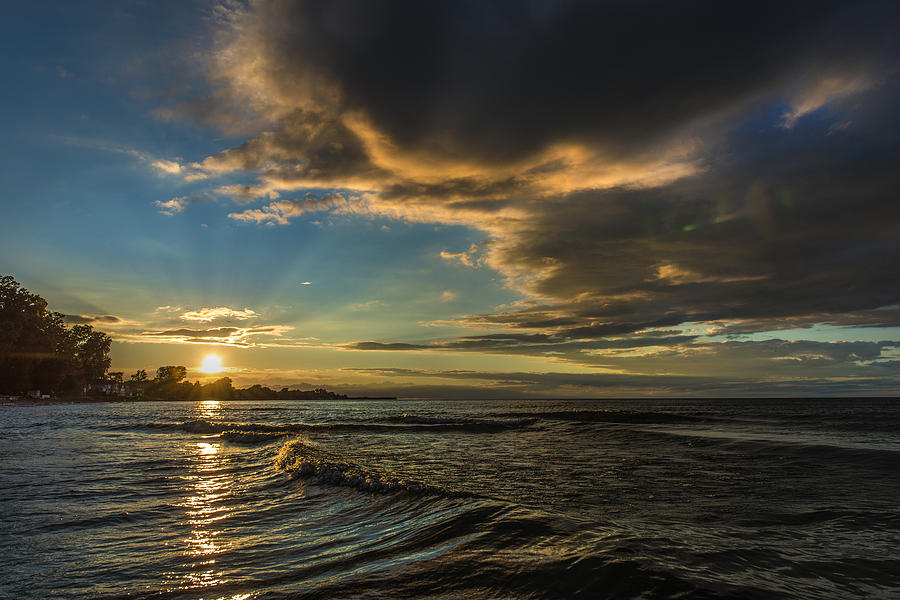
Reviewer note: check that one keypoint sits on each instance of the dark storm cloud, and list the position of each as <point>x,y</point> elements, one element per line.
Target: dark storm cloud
<point>501,80</point>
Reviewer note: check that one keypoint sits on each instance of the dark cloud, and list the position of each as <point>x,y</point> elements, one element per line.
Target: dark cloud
<point>882,317</point>
<point>218,332</point>
<point>812,227</point>
<point>779,360</point>
<point>605,384</point>
<point>504,79</point>
<point>380,346</point>
<point>230,336</point>
<point>527,344</point>
<point>308,149</point>
<point>91,319</point>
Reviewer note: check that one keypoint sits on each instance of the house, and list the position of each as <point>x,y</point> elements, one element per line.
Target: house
<point>106,388</point>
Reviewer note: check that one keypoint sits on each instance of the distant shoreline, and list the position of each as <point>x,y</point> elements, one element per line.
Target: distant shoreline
<point>25,401</point>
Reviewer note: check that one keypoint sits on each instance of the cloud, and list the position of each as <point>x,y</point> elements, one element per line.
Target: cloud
<point>632,166</point>
<point>177,205</point>
<point>92,319</point>
<point>468,258</point>
<point>775,362</point>
<point>223,336</point>
<point>483,82</point>
<point>564,384</point>
<point>462,258</point>
<point>380,346</point>
<point>161,165</point>
<point>219,332</point>
<point>282,211</point>
<point>823,91</point>
<point>171,207</point>
<point>592,353</point>
<point>219,312</point>
<point>448,296</point>
<point>167,166</point>
<point>368,305</point>
<point>167,308</point>
<point>273,335</point>
<point>170,324</point>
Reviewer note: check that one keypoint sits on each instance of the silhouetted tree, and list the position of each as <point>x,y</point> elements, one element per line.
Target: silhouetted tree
<point>171,374</point>
<point>169,385</point>
<point>38,352</point>
<point>221,389</point>
<point>91,352</point>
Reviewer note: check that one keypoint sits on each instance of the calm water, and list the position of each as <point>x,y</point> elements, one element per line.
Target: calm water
<point>480,499</point>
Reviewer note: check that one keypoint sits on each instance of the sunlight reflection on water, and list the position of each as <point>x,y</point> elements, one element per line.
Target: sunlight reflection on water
<point>209,409</point>
<point>208,488</point>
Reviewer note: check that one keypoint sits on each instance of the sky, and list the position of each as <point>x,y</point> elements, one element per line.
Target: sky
<point>466,198</point>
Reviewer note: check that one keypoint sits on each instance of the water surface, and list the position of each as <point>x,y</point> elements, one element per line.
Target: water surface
<point>453,499</point>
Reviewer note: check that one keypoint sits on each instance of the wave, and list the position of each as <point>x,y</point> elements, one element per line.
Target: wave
<point>409,419</point>
<point>422,425</point>
<point>307,460</point>
<point>251,437</point>
<point>609,416</point>
<point>204,426</point>
<point>832,453</point>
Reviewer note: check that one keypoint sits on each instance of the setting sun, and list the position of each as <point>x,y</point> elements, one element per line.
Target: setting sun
<point>212,364</point>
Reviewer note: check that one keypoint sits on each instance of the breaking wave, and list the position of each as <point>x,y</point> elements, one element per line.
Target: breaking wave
<point>251,437</point>
<point>304,459</point>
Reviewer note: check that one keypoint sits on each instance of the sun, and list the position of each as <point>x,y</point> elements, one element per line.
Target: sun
<point>212,364</point>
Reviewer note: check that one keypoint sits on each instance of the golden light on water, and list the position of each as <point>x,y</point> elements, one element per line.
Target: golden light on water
<point>212,364</point>
<point>209,409</point>
<point>205,505</point>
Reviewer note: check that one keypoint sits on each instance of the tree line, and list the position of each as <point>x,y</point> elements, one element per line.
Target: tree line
<point>38,351</point>
<point>171,383</point>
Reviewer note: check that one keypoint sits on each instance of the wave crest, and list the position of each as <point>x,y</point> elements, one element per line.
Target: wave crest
<point>251,437</point>
<point>307,460</point>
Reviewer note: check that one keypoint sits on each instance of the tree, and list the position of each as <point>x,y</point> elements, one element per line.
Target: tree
<point>220,389</point>
<point>140,376</point>
<point>170,374</point>
<point>36,349</point>
<point>91,352</point>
